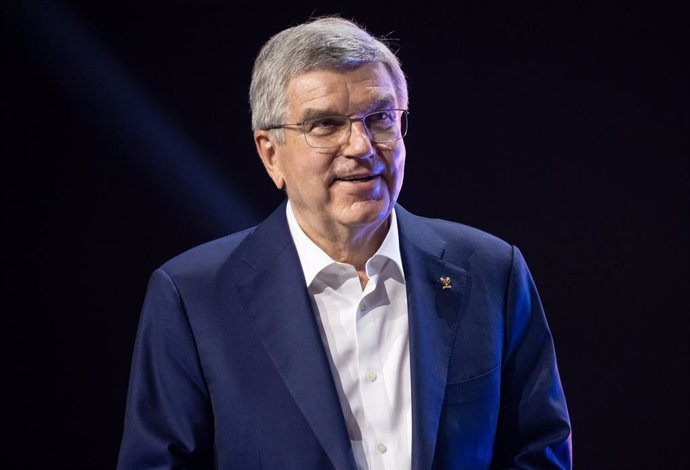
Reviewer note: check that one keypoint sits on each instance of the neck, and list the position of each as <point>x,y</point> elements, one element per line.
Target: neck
<point>351,245</point>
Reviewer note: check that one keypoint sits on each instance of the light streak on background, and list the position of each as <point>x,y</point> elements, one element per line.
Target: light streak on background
<point>176,168</point>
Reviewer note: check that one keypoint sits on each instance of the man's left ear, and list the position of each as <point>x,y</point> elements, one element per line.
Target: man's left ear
<point>266,148</point>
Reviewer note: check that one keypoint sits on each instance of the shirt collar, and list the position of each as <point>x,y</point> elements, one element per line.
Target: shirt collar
<point>314,259</point>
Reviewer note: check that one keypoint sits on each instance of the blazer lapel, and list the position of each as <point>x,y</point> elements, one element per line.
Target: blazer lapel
<point>434,310</point>
<point>277,302</point>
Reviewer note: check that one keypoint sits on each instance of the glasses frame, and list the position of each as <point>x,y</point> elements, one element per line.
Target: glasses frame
<point>404,116</point>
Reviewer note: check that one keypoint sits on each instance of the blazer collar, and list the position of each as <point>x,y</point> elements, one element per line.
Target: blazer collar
<point>273,292</point>
<point>271,286</point>
<point>435,292</point>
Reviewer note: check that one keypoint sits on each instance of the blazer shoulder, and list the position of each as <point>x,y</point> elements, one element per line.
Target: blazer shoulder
<point>470,235</point>
<point>461,241</point>
<point>206,258</point>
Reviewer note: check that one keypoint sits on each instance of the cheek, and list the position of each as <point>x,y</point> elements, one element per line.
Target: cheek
<point>297,164</point>
<point>398,167</point>
<point>306,175</point>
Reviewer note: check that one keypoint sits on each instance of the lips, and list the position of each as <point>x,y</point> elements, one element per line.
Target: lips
<point>351,172</point>
<point>357,178</point>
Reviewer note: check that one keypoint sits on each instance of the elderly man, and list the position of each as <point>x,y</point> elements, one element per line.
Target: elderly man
<point>343,332</point>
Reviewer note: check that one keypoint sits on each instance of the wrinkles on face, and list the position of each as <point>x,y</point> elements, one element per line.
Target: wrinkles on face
<point>341,196</point>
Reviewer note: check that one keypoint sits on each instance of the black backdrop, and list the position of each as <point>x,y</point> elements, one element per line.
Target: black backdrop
<point>562,129</point>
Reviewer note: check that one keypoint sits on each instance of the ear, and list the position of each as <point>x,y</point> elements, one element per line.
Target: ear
<point>267,150</point>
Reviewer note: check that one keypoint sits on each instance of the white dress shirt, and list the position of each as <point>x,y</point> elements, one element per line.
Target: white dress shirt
<point>366,334</point>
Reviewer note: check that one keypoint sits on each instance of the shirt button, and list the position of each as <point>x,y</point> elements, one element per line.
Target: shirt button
<point>362,306</point>
<point>371,376</point>
<point>382,448</point>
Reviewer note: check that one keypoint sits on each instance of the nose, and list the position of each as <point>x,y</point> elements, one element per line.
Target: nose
<point>359,144</point>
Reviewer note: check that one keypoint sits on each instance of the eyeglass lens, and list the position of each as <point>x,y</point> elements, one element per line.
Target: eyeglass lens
<point>331,131</point>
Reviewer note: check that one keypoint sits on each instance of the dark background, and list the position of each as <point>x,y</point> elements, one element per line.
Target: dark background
<point>562,129</point>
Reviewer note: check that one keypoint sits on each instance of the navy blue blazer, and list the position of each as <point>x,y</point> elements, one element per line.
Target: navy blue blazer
<point>229,370</point>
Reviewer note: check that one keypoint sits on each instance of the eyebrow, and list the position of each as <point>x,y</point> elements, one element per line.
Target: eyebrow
<point>315,113</point>
<point>384,102</point>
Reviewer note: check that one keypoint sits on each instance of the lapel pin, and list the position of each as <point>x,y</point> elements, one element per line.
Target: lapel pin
<point>446,282</point>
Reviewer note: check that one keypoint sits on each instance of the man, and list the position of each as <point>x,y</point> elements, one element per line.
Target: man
<point>343,332</point>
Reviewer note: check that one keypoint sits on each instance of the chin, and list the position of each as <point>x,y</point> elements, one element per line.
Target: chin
<point>365,213</point>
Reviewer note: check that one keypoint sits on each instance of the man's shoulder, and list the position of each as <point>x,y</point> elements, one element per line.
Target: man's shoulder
<point>460,240</point>
<point>207,257</point>
<point>458,230</point>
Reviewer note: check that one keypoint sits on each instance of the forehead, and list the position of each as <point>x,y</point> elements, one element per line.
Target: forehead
<point>345,92</point>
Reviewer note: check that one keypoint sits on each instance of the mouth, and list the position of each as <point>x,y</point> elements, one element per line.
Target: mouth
<point>357,178</point>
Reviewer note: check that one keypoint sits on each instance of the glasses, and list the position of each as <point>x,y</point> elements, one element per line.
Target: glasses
<point>383,126</point>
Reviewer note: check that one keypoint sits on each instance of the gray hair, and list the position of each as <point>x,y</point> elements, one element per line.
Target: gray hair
<point>323,43</point>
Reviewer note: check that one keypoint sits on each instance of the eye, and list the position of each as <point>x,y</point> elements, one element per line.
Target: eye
<point>380,116</point>
<point>324,124</point>
<point>381,119</point>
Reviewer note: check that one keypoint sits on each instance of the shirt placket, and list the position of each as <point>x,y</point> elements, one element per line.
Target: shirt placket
<point>372,385</point>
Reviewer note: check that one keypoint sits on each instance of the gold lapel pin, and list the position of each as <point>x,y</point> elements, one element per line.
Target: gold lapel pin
<point>446,282</point>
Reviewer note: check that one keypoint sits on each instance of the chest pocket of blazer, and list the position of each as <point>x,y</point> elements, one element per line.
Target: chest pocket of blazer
<point>479,387</point>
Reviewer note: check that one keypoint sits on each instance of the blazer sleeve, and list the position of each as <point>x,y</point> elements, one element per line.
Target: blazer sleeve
<point>534,426</point>
<point>168,419</point>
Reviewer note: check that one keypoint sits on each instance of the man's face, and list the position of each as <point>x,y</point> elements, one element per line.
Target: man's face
<point>354,185</point>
